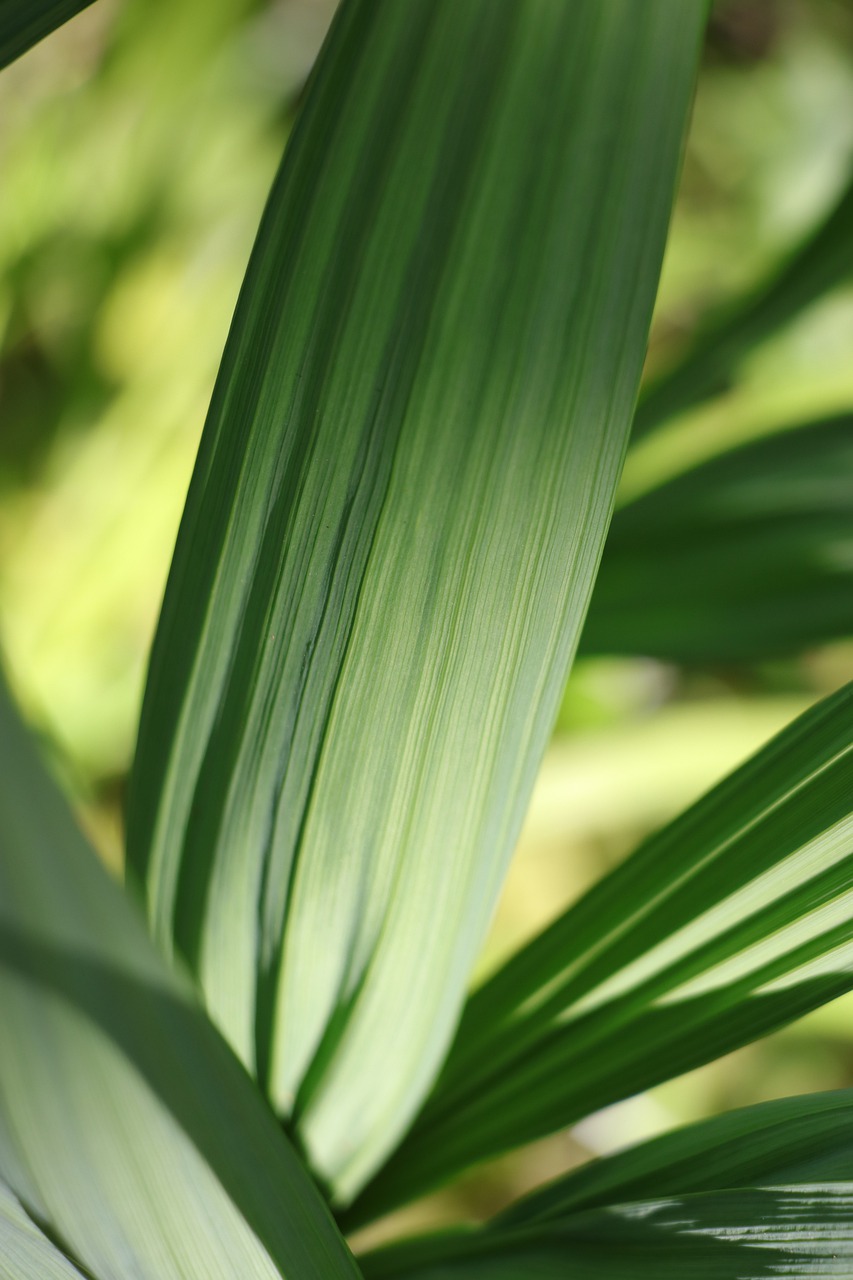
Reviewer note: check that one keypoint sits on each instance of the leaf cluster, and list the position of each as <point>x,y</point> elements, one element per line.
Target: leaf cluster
<point>388,557</point>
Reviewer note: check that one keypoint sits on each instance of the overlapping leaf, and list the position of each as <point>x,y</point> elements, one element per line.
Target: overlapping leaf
<point>24,22</point>
<point>393,529</point>
<point>730,921</point>
<point>744,557</point>
<point>25,1251</point>
<point>127,1126</point>
<point>820,263</point>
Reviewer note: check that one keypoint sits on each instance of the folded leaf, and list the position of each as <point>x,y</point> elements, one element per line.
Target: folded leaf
<point>393,528</point>
<point>800,1232</point>
<point>822,262</point>
<point>806,1139</point>
<point>24,22</point>
<point>748,556</point>
<point>25,1251</point>
<point>126,1124</point>
<point>731,921</point>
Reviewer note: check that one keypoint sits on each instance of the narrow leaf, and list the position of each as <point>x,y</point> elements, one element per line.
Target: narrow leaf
<point>800,1232</point>
<point>822,262</point>
<point>806,1139</point>
<point>126,1124</point>
<point>731,921</point>
<point>393,527</point>
<point>24,22</point>
<point>747,556</point>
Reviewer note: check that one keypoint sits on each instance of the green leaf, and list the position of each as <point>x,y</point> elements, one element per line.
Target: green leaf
<point>820,263</point>
<point>744,557</point>
<point>806,1139</point>
<point>25,1251</point>
<point>393,528</point>
<point>24,22</point>
<point>798,1231</point>
<point>126,1124</point>
<point>731,921</point>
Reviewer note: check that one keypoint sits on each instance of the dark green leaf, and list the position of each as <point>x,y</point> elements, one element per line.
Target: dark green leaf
<point>792,1140</point>
<point>800,1232</point>
<point>126,1124</point>
<point>734,919</point>
<point>744,557</point>
<point>393,529</point>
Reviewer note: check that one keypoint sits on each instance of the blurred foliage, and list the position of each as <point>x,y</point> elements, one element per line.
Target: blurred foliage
<point>136,149</point>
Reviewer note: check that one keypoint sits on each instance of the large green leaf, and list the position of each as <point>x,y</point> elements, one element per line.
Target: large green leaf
<point>393,528</point>
<point>800,1232</point>
<point>806,1139</point>
<point>26,1253</point>
<point>126,1124</point>
<point>746,556</point>
<point>823,261</point>
<point>734,919</point>
<point>24,22</point>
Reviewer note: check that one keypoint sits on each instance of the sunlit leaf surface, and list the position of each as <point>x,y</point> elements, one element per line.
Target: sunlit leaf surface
<point>393,528</point>
<point>732,920</point>
<point>25,1251</point>
<point>126,1124</point>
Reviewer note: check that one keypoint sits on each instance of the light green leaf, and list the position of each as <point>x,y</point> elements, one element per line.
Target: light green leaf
<point>806,1139</point>
<point>24,22</point>
<point>732,920</point>
<point>822,262</point>
<point>744,557</point>
<point>800,1232</point>
<point>393,528</point>
<point>25,1251</point>
<point>126,1124</point>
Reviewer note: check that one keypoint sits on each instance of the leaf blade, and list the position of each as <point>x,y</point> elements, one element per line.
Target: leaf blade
<point>727,923</point>
<point>440,453</point>
<point>746,1234</point>
<point>798,1140</point>
<point>125,1122</point>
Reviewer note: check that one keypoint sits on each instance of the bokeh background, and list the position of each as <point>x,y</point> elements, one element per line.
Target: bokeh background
<point>136,148</point>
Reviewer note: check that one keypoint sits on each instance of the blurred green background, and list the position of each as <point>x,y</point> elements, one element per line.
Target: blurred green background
<point>136,148</point>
